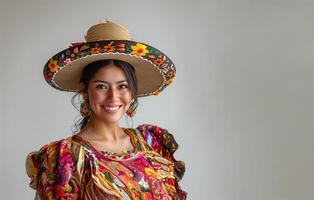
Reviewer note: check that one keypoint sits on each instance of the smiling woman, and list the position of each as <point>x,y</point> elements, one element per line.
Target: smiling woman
<point>110,86</point>
<point>103,160</point>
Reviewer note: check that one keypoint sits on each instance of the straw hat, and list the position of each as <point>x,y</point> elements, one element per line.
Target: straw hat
<point>108,40</point>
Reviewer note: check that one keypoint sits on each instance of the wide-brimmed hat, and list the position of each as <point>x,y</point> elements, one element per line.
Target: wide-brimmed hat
<point>108,40</point>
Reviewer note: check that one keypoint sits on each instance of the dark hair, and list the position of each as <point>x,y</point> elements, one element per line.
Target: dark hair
<point>89,72</point>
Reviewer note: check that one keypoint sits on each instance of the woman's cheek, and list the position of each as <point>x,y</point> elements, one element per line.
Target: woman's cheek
<point>97,96</point>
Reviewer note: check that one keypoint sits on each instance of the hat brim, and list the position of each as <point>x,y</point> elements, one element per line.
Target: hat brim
<point>154,70</point>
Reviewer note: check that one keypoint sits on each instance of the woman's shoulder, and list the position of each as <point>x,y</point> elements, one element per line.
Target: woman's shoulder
<point>52,170</point>
<point>164,143</point>
<point>47,157</point>
<point>158,138</point>
<point>50,148</point>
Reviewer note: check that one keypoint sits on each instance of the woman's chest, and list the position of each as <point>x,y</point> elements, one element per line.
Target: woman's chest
<point>143,176</point>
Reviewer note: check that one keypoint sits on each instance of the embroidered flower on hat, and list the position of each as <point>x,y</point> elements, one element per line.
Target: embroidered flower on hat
<point>139,49</point>
<point>170,74</point>
<point>121,47</point>
<point>53,65</point>
<point>160,60</point>
<point>109,47</point>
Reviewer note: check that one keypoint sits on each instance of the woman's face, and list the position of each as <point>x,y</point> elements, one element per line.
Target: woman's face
<point>109,94</point>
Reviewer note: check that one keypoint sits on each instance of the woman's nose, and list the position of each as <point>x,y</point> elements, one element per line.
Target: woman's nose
<point>112,93</point>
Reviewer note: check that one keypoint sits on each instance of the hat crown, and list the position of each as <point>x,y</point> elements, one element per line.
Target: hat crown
<point>107,31</point>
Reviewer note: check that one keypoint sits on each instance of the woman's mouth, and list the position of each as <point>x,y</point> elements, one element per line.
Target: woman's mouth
<point>111,109</point>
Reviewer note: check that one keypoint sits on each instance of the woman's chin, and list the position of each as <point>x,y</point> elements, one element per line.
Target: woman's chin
<point>111,117</point>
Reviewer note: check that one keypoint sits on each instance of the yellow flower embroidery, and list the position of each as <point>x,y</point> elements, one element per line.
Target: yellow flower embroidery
<point>53,66</point>
<point>139,49</point>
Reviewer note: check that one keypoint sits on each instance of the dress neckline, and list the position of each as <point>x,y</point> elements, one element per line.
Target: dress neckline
<point>110,153</point>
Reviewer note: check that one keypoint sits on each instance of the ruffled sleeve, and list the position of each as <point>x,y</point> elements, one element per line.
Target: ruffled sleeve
<point>52,171</point>
<point>163,142</point>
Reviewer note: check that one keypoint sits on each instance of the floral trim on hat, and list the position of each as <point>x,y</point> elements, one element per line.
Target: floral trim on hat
<point>132,48</point>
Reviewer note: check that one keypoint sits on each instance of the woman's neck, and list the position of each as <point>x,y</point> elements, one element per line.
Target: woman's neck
<point>100,130</point>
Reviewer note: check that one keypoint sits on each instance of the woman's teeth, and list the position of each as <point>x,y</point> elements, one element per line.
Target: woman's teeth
<point>111,108</point>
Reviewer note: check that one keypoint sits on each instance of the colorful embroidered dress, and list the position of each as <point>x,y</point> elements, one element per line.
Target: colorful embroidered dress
<point>72,168</point>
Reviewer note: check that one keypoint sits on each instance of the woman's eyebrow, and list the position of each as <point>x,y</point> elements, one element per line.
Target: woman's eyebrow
<point>108,82</point>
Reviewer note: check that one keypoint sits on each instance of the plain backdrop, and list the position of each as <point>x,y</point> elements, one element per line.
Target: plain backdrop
<point>240,107</point>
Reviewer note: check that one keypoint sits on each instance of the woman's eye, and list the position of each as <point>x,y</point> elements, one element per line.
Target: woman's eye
<point>101,87</point>
<point>123,86</point>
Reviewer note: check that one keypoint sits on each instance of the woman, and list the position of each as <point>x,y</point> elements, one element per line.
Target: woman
<point>104,160</point>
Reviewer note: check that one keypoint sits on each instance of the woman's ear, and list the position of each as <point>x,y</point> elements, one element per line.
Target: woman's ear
<point>85,93</point>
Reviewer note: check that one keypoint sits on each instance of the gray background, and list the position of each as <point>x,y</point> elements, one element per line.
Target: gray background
<point>241,106</point>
